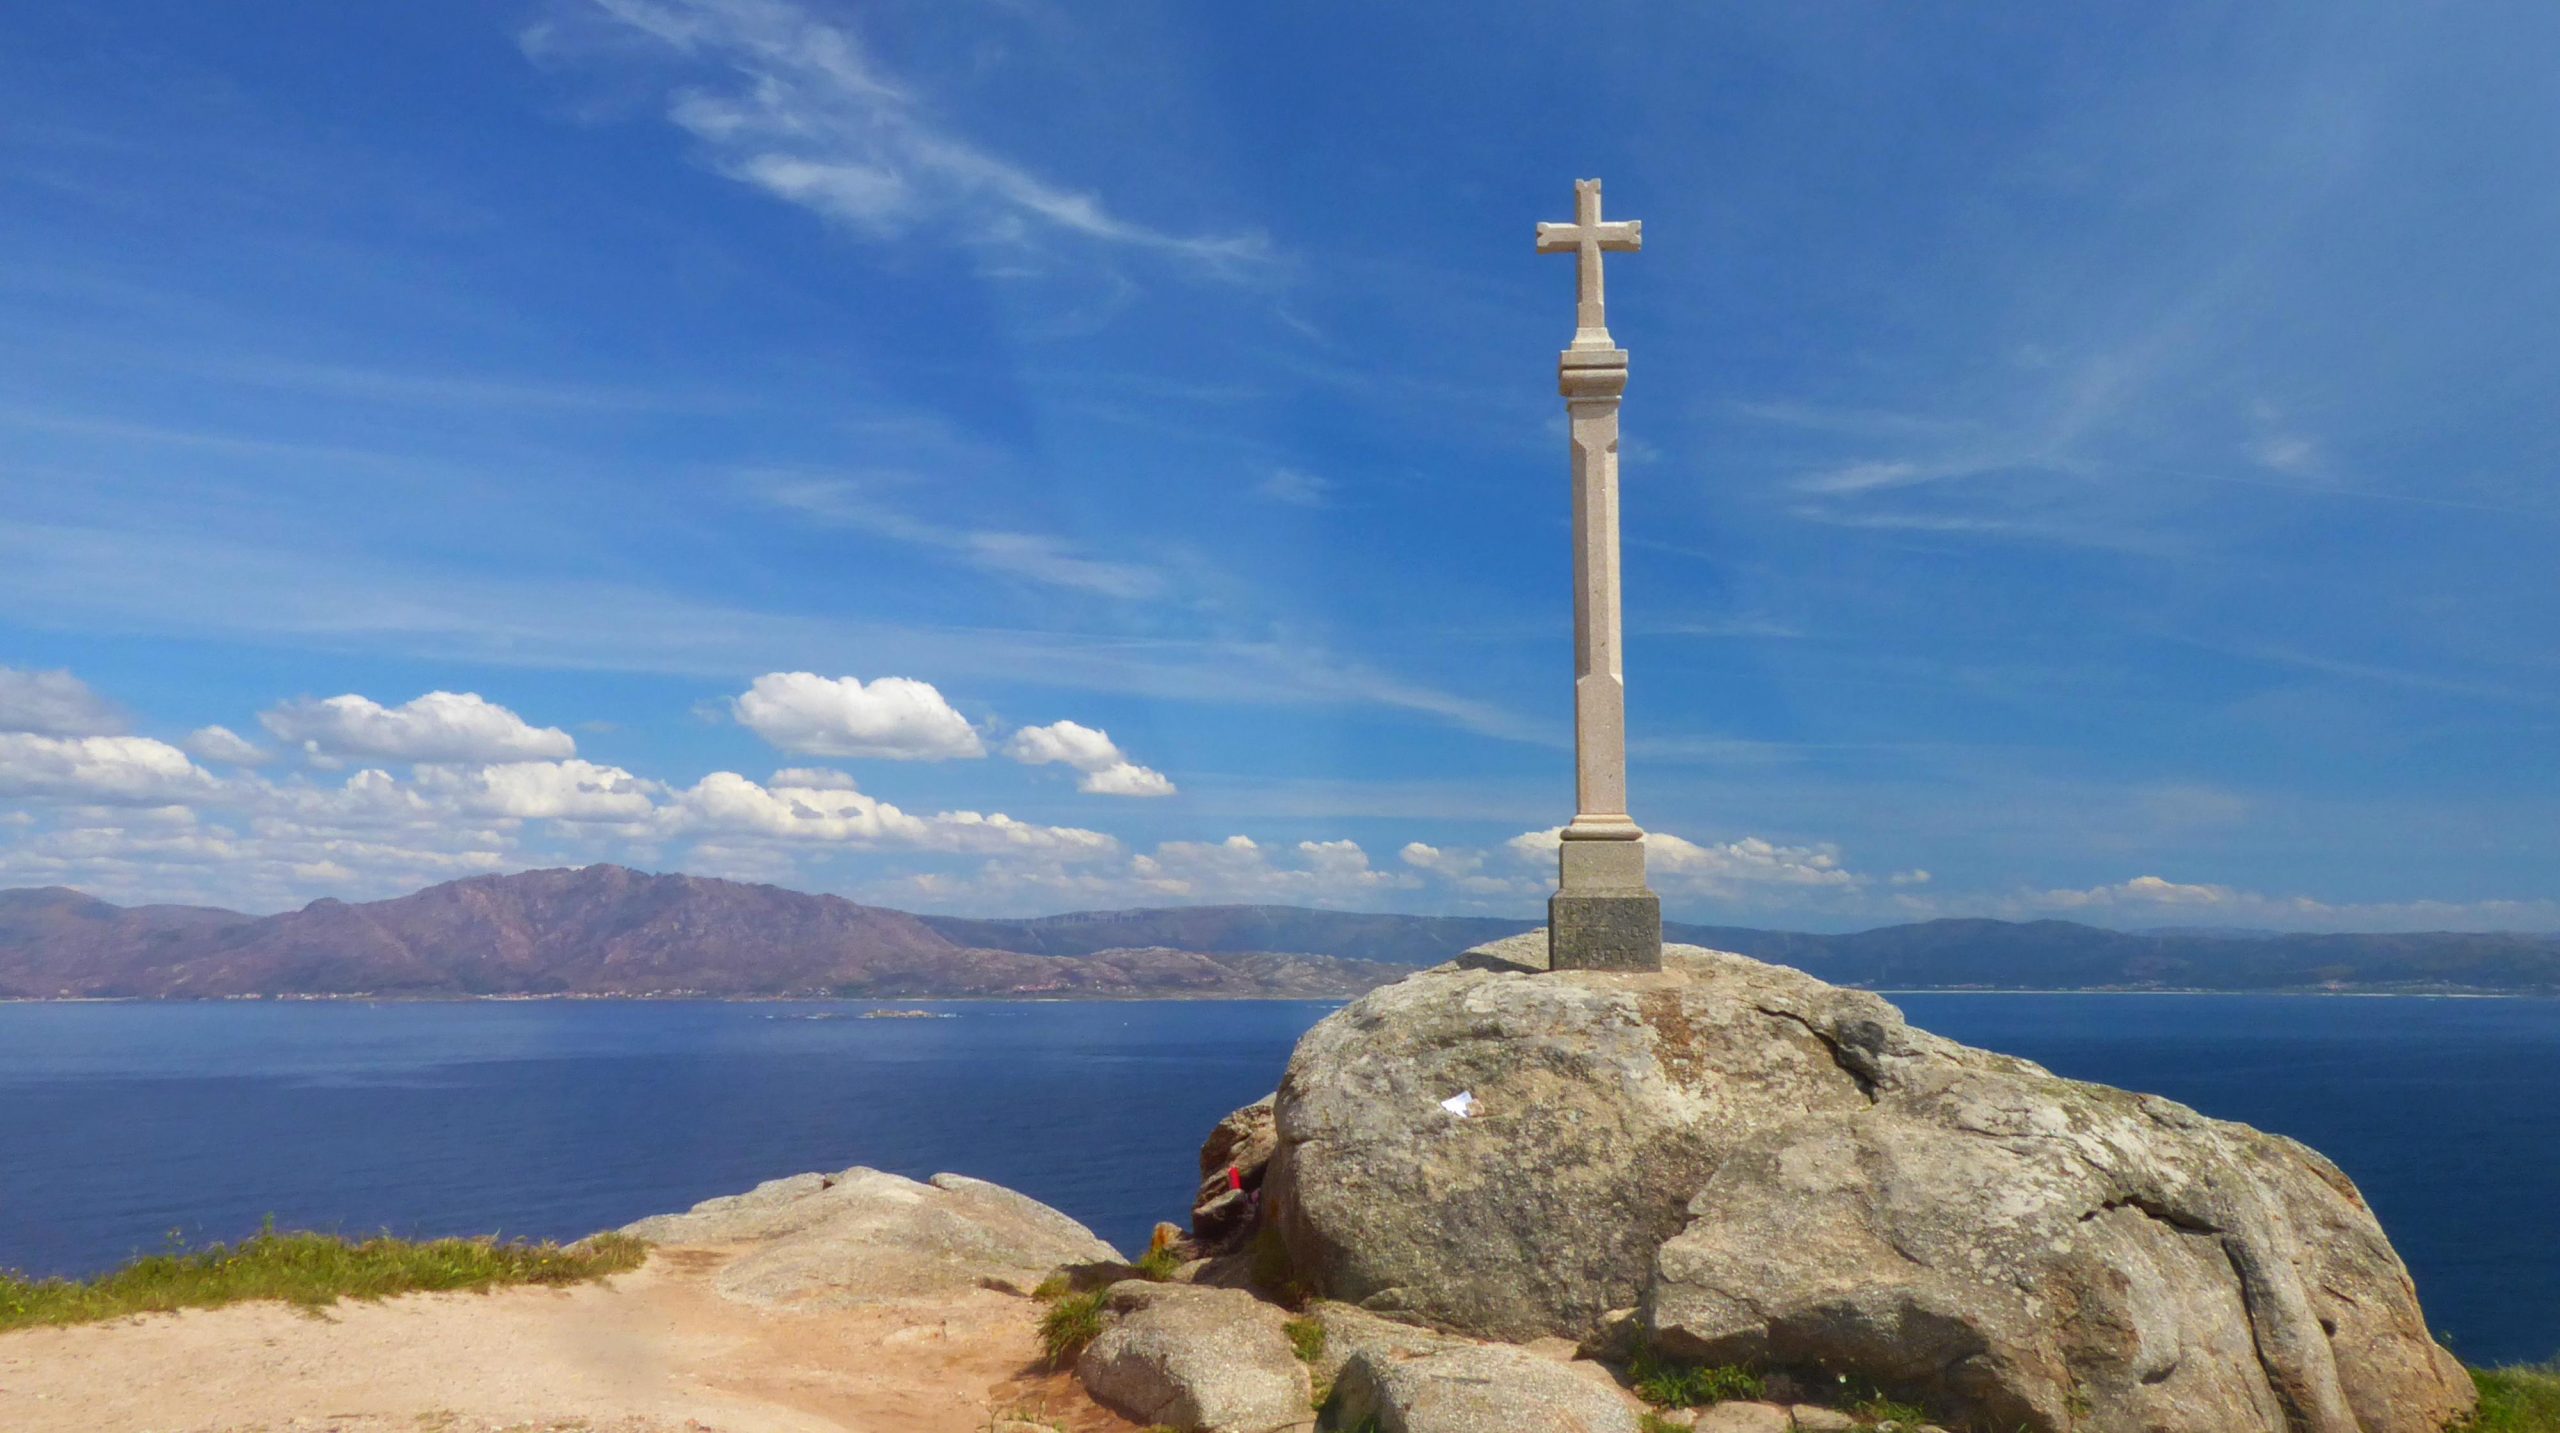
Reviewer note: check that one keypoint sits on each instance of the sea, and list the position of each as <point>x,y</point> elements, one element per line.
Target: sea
<point>127,1127</point>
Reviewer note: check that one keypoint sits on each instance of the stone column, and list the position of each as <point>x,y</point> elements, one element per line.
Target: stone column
<point>1602,916</point>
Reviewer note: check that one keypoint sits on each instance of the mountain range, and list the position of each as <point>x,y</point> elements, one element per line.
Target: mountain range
<point>610,931</point>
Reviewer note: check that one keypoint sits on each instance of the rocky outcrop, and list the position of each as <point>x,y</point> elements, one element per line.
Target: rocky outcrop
<point>1782,1173</point>
<point>1211,1360</point>
<point>1232,1163</point>
<point>864,1236</point>
<point>1477,1388</point>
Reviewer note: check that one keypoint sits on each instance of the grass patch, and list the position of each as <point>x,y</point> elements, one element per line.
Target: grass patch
<point>1073,1320</point>
<point>311,1270</point>
<point>1307,1337</point>
<point>1656,1423</point>
<point>1880,1409</point>
<point>2517,1400</point>
<point>1159,1264</point>
<point>1666,1383</point>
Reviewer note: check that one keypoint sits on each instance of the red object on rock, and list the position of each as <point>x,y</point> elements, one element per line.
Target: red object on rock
<point>1235,1177</point>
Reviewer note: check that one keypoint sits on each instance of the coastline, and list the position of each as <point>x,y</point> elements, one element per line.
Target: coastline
<point>1174,997</point>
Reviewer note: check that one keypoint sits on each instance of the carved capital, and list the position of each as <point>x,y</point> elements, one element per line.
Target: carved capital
<point>1587,373</point>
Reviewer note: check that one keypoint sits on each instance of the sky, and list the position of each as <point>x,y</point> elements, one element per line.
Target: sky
<point>1013,456</point>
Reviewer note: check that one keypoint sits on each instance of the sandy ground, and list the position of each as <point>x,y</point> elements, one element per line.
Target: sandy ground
<point>653,1351</point>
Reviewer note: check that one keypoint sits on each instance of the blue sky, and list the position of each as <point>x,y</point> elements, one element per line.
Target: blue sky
<point>1012,455</point>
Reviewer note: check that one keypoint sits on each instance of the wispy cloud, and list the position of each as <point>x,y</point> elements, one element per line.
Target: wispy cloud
<point>801,110</point>
<point>141,582</point>
<point>1297,489</point>
<point>1031,557</point>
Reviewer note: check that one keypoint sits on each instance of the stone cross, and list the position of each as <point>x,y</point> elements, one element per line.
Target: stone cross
<point>1602,916</point>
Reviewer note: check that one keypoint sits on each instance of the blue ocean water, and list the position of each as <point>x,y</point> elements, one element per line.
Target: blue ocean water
<point>122,1123</point>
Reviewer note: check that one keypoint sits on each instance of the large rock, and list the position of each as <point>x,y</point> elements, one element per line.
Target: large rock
<point>1475,1388</point>
<point>864,1236</point>
<point>1783,1173</point>
<point>1223,1208</point>
<point>1212,1360</point>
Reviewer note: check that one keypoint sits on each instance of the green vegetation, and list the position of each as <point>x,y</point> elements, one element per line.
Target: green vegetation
<point>311,1270</point>
<point>1073,1320</point>
<point>1159,1264</point>
<point>1879,1409</point>
<point>1307,1337</point>
<point>1666,1383</point>
<point>2524,1399</point>
<point>1656,1423</point>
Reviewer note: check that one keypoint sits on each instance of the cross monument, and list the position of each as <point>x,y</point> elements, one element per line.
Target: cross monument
<point>1602,916</point>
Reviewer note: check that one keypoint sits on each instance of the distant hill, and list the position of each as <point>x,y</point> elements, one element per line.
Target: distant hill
<point>605,930</point>
<point>1399,940</point>
<point>601,930</point>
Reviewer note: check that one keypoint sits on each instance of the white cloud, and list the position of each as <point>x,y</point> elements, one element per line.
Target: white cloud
<point>1451,864</point>
<point>1126,778</point>
<point>222,744</point>
<point>896,718</point>
<point>114,769</point>
<point>54,704</point>
<point>1297,489</point>
<point>803,113</point>
<point>543,790</point>
<point>816,778</point>
<point>1677,865</point>
<point>727,804</point>
<point>2143,891</point>
<point>1107,771</point>
<point>1749,861</point>
<point>1242,869</point>
<point>440,726</point>
<point>2157,900</point>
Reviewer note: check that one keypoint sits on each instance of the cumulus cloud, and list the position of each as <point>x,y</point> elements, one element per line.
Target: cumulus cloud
<point>1438,862</point>
<point>1242,869</point>
<point>543,790</point>
<point>895,718</point>
<point>1464,870</point>
<point>834,810</point>
<point>1675,863</point>
<point>222,744</point>
<point>440,726</point>
<point>725,802</point>
<point>1747,861</point>
<point>109,769</point>
<point>2143,891</point>
<point>54,703</point>
<point>1105,769</point>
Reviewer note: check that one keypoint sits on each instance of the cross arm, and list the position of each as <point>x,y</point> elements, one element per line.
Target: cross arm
<point>1617,238</point>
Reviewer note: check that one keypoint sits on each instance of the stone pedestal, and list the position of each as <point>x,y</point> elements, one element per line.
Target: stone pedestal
<point>1604,930</point>
<point>1602,917</point>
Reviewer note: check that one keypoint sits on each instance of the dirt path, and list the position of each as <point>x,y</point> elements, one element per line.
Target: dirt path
<point>655,1351</point>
